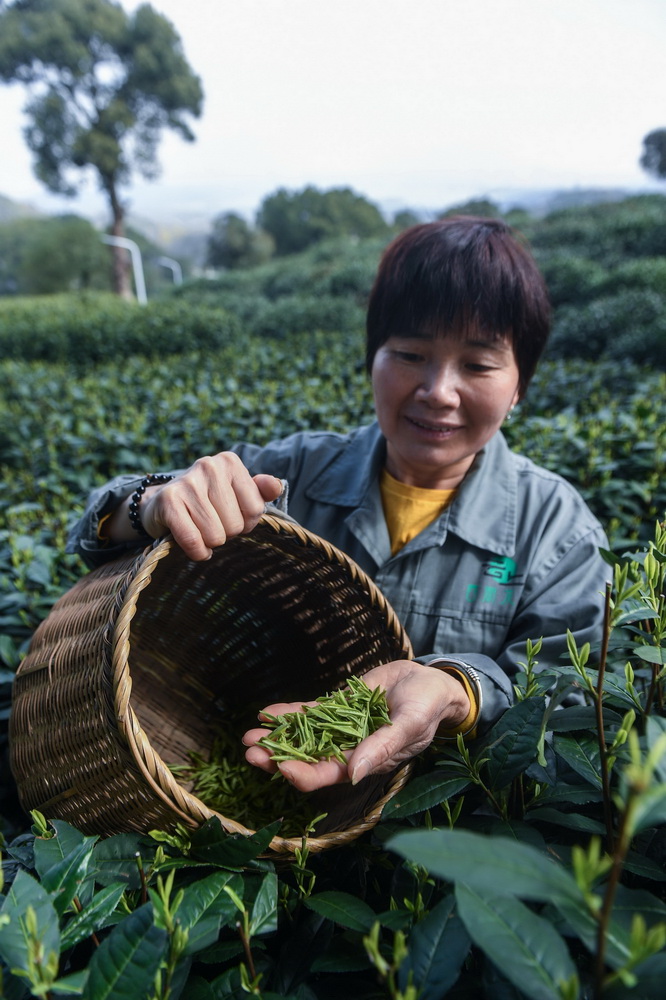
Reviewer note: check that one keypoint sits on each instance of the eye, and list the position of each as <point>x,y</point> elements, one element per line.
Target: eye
<point>476,366</point>
<point>408,357</point>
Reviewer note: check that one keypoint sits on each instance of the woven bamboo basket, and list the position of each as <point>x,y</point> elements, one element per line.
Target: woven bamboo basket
<point>139,663</point>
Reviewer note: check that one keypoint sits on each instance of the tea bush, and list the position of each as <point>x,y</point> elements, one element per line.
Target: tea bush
<point>629,325</point>
<point>87,329</point>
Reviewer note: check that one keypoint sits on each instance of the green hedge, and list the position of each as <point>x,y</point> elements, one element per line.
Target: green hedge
<point>629,325</point>
<point>89,329</point>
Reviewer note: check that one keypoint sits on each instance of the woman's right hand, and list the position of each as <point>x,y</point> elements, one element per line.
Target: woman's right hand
<point>215,499</point>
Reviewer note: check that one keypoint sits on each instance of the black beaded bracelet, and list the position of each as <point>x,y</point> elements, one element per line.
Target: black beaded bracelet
<point>153,480</point>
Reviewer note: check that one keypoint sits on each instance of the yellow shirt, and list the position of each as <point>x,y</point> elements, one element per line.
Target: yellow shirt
<point>408,510</point>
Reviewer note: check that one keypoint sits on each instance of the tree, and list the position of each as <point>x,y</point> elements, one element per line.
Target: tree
<point>64,253</point>
<point>53,254</point>
<point>475,206</point>
<point>297,219</point>
<point>406,218</point>
<point>102,85</point>
<point>232,243</point>
<point>653,159</point>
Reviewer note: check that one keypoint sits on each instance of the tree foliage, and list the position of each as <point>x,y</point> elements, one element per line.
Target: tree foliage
<point>475,206</point>
<point>45,255</point>
<point>297,219</point>
<point>102,85</point>
<point>653,159</point>
<point>233,243</point>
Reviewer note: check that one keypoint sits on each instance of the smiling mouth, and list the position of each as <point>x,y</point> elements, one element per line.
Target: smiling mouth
<point>433,428</point>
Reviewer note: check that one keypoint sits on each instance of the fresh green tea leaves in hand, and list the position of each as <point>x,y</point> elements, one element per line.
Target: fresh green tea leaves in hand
<point>335,723</point>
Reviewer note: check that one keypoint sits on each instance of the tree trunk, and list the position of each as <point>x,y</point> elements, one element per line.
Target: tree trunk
<point>122,280</point>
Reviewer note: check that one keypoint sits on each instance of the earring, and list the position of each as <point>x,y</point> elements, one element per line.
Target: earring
<point>508,416</point>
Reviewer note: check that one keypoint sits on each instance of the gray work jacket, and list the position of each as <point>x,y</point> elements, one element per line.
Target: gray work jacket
<point>514,557</point>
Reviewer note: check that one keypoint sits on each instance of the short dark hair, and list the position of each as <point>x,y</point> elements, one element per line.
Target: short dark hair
<point>455,274</point>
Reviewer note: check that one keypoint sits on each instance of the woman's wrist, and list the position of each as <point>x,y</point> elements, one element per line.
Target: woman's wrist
<point>118,528</point>
<point>133,509</point>
<point>464,722</point>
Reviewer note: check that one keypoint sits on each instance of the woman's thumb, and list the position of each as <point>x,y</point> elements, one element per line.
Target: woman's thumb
<point>269,486</point>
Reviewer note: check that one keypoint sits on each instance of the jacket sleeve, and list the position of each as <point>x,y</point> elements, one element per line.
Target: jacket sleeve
<point>566,594</point>
<point>83,538</point>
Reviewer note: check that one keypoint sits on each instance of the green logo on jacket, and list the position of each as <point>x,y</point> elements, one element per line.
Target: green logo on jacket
<point>502,571</point>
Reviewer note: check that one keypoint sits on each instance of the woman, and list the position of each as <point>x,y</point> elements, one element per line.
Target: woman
<point>476,548</point>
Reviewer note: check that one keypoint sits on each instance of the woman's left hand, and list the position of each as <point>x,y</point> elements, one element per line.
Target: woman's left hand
<point>420,699</point>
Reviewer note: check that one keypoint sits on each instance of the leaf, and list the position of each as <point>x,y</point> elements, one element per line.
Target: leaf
<point>569,794</point>
<point>309,938</point>
<point>125,964</point>
<point>511,868</point>
<point>649,809</point>
<point>395,920</point>
<point>438,946</point>
<point>638,864</point>
<point>572,821</point>
<point>116,859</point>
<point>93,917</point>
<point>512,743</point>
<point>631,901</point>
<point>614,689</point>
<point>14,947</point>
<point>424,792</point>
<point>584,924</point>
<point>48,852</point>
<point>64,879</point>
<point>71,985</point>
<point>10,655</point>
<point>206,907</point>
<point>580,717</point>
<point>582,755</point>
<point>220,953</point>
<point>342,956</point>
<point>655,728</point>
<point>524,946</point>
<point>344,909</point>
<point>13,987</point>
<point>263,918</point>
<point>638,614</point>
<point>212,844</point>
<point>199,988</point>
<point>651,654</point>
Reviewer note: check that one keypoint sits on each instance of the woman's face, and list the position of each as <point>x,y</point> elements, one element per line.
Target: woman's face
<point>439,400</point>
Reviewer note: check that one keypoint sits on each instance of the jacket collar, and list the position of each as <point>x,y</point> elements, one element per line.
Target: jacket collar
<point>484,512</point>
<point>345,482</point>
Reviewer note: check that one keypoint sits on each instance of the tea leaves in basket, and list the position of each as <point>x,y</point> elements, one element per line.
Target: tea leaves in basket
<point>226,783</point>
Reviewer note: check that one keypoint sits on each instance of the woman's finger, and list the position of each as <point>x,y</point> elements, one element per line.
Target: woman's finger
<point>310,777</point>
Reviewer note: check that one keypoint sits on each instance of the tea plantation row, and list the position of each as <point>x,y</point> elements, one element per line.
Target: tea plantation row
<point>62,432</point>
<point>538,909</point>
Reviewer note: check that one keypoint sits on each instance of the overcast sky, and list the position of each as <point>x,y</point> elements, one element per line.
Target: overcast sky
<point>417,103</point>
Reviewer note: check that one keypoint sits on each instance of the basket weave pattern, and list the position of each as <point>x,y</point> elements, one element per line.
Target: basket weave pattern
<point>139,663</point>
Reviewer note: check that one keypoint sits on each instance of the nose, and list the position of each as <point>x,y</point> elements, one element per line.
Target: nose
<point>439,386</point>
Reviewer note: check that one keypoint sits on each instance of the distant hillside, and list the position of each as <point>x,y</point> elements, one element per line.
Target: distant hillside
<point>16,210</point>
<point>542,202</point>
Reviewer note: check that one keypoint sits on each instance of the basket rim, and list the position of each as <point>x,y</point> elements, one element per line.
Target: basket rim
<point>185,805</point>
